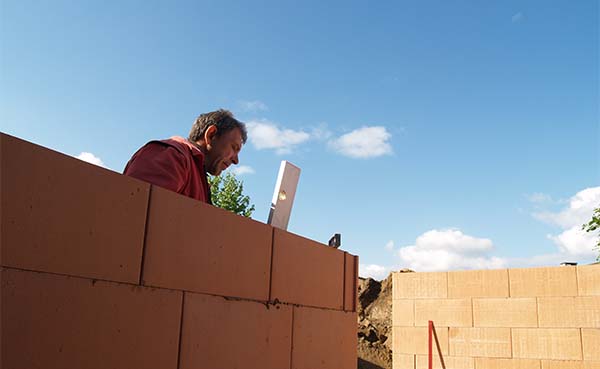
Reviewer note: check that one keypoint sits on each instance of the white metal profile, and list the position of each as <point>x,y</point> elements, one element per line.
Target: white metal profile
<point>283,197</point>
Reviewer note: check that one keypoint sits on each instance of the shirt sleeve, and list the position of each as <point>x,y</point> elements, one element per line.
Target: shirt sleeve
<point>159,164</point>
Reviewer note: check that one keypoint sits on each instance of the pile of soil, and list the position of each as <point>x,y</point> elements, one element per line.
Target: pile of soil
<point>375,323</point>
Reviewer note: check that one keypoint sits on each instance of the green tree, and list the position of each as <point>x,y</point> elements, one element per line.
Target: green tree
<point>593,225</point>
<point>227,193</point>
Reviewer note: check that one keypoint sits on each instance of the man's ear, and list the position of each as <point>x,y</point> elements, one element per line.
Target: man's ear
<point>209,135</point>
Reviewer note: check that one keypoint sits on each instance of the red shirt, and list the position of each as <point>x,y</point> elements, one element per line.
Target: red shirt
<point>175,164</point>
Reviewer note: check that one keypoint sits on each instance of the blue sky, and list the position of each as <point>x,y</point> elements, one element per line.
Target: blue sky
<point>432,134</point>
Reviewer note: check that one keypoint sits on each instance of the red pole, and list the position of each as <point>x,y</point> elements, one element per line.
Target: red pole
<point>430,345</point>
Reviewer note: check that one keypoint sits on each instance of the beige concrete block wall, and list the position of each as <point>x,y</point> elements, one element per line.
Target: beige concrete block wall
<point>533,318</point>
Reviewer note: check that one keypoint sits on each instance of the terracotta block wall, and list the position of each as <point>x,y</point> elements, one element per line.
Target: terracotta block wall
<point>100,270</point>
<point>535,318</point>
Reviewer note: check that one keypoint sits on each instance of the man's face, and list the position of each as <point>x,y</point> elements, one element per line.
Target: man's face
<point>223,151</point>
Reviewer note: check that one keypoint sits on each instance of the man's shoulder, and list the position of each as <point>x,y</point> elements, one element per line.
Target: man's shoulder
<point>178,143</point>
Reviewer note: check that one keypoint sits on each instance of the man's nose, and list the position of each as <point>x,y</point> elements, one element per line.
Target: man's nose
<point>235,159</point>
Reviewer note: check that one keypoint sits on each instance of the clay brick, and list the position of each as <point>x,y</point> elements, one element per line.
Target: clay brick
<point>450,362</point>
<point>306,272</point>
<point>478,283</point>
<point>402,361</point>
<point>414,340</point>
<point>196,247</point>
<point>432,285</point>
<point>505,312</point>
<point>486,342</point>
<point>350,282</point>
<point>552,281</point>
<point>561,364</point>
<point>53,321</point>
<point>444,312</point>
<point>403,313</point>
<point>591,343</point>
<point>546,343</point>
<point>323,339</point>
<point>588,280</point>
<point>65,216</point>
<point>489,363</point>
<point>581,312</point>
<point>218,333</point>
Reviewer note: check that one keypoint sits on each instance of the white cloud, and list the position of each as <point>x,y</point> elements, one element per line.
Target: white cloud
<point>91,158</point>
<point>389,245</point>
<point>321,132</point>
<point>518,17</point>
<point>374,271</point>
<point>267,135</point>
<point>253,106</point>
<point>241,170</point>
<point>573,242</point>
<point>538,198</point>
<point>579,210</point>
<point>448,249</point>
<point>365,142</point>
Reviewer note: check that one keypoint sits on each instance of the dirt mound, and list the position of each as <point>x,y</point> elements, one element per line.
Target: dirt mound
<point>375,323</point>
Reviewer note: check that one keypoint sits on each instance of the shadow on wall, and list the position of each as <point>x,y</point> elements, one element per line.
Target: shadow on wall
<point>364,364</point>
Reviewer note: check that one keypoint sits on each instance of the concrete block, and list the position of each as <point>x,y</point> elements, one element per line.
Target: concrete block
<point>580,312</point>
<point>588,280</point>
<point>552,281</point>
<point>323,339</point>
<point>478,283</point>
<point>306,272</point>
<point>498,363</point>
<point>450,362</point>
<point>350,282</point>
<point>591,344</point>
<point>444,312</point>
<point>219,333</point>
<point>403,313</point>
<point>53,321</point>
<point>546,343</point>
<point>556,364</point>
<point>414,340</point>
<point>485,342</point>
<point>505,312</point>
<point>403,361</point>
<point>66,216</point>
<point>196,247</point>
<point>432,285</point>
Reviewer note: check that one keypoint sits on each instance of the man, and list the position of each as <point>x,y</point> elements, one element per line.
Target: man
<point>180,165</point>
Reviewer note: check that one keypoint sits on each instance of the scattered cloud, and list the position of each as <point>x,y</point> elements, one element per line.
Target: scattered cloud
<point>253,106</point>
<point>579,209</point>
<point>91,158</point>
<point>518,17</point>
<point>539,198</point>
<point>264,134</point>
<point>321,132</point>
<point>242,169</point>
<point>363,143</point>
<point>389,245</point>
<point>573,241</point>
<point>448,249</point>
<point>374,271</point>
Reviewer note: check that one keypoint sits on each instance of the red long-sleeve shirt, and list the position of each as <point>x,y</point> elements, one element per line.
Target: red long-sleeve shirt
<point>175,164</point>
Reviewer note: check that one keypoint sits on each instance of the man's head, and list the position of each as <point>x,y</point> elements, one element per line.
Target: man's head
<point>220,136</point>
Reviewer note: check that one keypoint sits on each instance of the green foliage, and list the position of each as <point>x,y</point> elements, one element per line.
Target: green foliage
<point>227,193</point>
<point>593,225</point>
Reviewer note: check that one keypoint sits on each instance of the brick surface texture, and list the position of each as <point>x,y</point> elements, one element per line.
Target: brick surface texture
<point>535,318</point>
<point>100,270</point>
